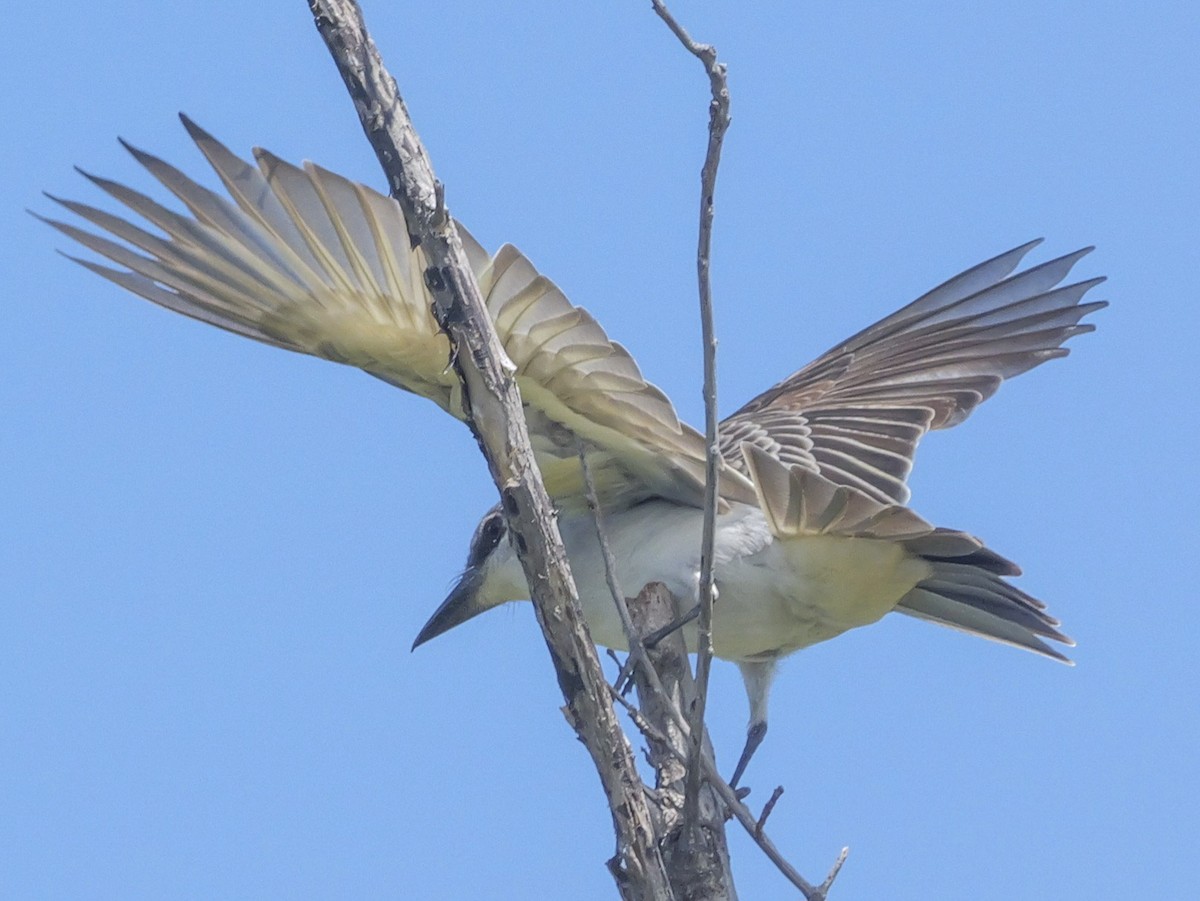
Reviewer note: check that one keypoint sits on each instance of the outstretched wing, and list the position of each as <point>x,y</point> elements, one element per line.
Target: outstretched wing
<point>856,414</point>
<point>306,260</point>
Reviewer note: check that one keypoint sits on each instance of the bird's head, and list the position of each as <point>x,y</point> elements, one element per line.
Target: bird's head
<point>491,577</point>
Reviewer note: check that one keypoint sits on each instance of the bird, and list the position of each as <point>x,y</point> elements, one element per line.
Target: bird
<point>814,535</point>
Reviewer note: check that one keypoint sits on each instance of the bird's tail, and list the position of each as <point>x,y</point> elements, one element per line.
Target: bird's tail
<point>970,594</point>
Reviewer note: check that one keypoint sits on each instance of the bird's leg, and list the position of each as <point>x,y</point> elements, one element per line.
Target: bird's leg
<point>754,736</point>
<point>757,674</point>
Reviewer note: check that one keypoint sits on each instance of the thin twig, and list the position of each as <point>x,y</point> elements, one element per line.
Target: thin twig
<point>767,808</point>
<point>624,670</point>
<point>750,823</point>
<point>637,651</point>
<point>718,123</point>
<point>624,681</point>
<point>639,719</point>
<point>833,872</point>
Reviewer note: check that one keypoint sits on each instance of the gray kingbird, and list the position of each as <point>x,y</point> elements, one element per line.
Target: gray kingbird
<point>813,537</point>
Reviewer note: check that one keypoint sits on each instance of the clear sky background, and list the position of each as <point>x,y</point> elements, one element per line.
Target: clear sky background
<point>214,555</point>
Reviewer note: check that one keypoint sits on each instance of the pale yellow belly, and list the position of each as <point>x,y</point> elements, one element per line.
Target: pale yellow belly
<point>805,590</point>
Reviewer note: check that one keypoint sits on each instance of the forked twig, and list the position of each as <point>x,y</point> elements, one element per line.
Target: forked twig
<point>718,123</point>
<point>742,813</point>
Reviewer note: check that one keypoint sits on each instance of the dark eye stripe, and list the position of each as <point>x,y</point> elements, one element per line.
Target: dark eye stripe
<point>487,537</point>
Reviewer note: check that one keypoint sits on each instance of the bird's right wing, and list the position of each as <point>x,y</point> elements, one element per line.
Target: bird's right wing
<point>304,259</point>
<point>857,412</point>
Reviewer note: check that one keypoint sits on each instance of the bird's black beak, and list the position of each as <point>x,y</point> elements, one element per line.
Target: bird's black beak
<point>461,605</point>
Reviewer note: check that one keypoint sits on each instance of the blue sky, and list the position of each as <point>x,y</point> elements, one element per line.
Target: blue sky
<point>214,555</point>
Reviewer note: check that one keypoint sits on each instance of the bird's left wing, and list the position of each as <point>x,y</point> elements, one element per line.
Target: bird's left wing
<point>304,259</point>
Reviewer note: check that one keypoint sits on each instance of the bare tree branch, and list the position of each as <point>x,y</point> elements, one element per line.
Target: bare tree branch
<point>496,418</point>
<point>718,123</point>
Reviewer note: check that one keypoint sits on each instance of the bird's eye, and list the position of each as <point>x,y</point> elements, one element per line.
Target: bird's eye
<point>487,537</point>
<point>493,530</point>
